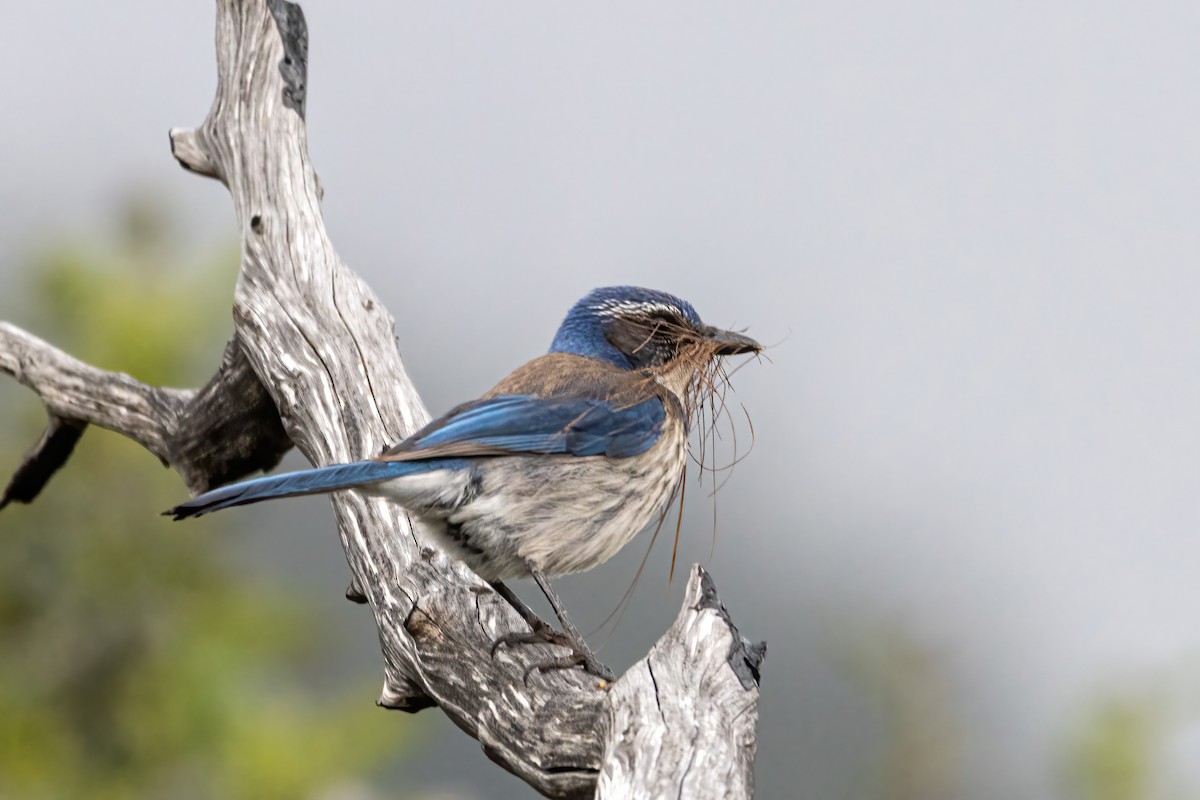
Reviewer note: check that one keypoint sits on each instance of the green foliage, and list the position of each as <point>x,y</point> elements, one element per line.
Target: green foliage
<point>1115,752</point>
<point>135,661</point>
<point>131,304</point>
<point>902,680</point>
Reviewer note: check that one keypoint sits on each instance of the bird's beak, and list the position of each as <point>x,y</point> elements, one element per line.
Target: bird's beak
<point>729,343</point>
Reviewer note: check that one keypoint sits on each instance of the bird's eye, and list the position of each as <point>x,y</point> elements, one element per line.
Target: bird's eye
<point>648,339</point>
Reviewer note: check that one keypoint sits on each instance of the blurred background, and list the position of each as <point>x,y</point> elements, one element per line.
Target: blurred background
<point>968,527</point>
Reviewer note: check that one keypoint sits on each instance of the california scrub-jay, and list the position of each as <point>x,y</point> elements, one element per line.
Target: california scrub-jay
<point>556,468</point>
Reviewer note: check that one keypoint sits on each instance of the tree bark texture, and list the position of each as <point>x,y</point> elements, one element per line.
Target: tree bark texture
<point>313,363</point>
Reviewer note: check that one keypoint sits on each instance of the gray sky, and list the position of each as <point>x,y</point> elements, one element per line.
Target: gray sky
<point>970,229</point>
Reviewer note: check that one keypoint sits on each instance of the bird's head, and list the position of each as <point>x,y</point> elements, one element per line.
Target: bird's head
<point>644,329</point>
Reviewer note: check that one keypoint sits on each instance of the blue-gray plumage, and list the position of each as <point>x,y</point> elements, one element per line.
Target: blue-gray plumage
<point>558,466</point>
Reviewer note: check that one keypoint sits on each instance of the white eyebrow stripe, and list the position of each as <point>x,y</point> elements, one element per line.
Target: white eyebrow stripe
<point>613,308</point>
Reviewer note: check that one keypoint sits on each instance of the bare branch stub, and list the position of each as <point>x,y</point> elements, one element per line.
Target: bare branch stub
<point>314,362</point>
<point>682,720</point>
<point>43,460</point>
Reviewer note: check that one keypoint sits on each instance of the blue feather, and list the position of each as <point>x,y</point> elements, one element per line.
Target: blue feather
<point>528,424</point>
<point>509,424</point>
<point>582,331</point>
<point>309,481</point>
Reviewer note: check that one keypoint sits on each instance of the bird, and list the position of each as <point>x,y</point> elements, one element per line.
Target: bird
<point>558,466</point>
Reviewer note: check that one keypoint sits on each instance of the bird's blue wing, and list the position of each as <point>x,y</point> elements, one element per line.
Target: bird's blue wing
<point>528,424</point>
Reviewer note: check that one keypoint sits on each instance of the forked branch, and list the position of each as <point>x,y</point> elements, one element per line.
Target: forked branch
<point>314,340</point>
<point>210,436</point>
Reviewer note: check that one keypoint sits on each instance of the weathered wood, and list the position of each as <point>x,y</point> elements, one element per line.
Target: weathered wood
<point>682,720</point>
<point>43,460</point>
<point>321,345</point>
<point>210,436</point>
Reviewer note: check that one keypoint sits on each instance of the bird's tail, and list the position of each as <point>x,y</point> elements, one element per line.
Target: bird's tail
<point>291,484</point>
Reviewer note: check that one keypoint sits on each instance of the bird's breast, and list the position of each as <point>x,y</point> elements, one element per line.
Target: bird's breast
<point>565,514</point>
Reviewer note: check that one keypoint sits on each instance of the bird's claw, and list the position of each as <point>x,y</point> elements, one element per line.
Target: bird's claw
<point>575,659</point>
<point>544,634</point>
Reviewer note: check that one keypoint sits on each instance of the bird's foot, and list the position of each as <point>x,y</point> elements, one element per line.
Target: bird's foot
<point>580,655</point>
<point>541,634</point>
<point>575,659</point>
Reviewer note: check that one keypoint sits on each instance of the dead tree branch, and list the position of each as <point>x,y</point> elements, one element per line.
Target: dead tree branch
<point>315,346</point>
<point>210,436</point>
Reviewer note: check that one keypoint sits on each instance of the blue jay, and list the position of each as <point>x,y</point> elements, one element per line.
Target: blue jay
<point>556,468</point>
